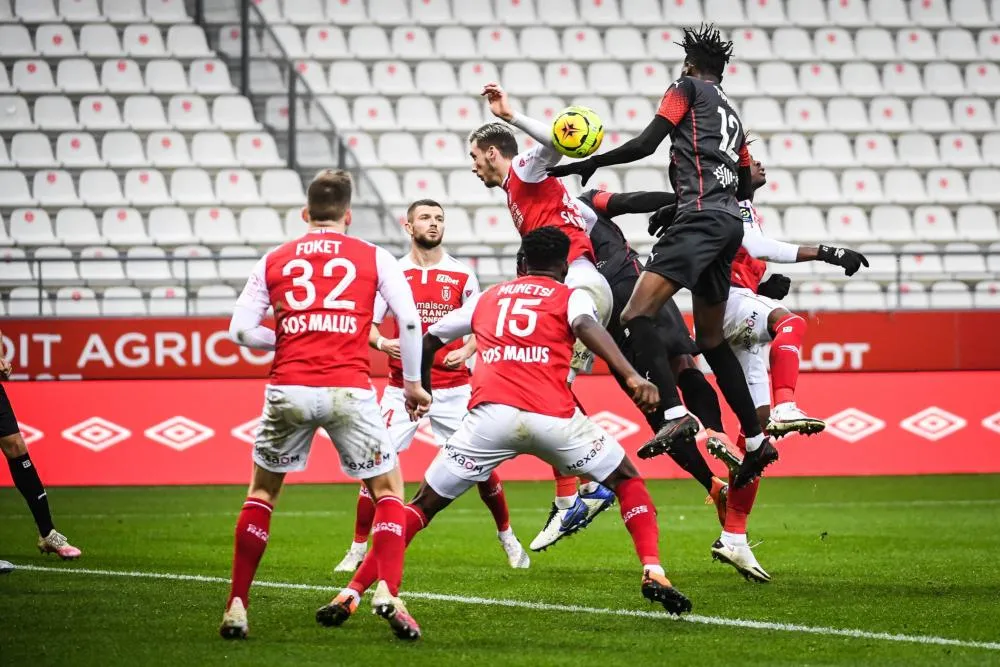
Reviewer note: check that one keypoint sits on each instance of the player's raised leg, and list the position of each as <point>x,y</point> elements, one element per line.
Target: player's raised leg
<point>26,479</point>
<point>788,331</point>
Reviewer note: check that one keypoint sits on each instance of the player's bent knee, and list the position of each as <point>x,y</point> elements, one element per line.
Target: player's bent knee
<point>13,446</point>
<point>386,484</point>
<point>429,501</point>
<point>265,484</point>
<point>626,470</point>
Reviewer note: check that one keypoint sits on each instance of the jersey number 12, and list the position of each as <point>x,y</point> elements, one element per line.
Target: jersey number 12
<point>729,140</point>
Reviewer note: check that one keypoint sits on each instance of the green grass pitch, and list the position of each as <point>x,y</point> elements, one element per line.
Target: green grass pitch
<point>903,556</point>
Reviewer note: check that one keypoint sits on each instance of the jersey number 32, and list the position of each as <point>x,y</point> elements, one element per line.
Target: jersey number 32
<point>304,280</point>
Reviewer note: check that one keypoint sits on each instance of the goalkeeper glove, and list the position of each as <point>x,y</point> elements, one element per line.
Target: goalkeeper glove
<point>775,287</point>
<point>851,260</point>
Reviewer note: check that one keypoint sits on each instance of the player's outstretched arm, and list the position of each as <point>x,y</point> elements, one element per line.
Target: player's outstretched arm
<point>634,149</point>
<point>583,320</point>
<point>536,129</point>
<point>245,327</point>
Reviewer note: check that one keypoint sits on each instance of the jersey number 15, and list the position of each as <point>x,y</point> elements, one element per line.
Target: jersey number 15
<point>520,308</point>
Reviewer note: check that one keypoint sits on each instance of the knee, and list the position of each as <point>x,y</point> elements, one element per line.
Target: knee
<point>13,446</point>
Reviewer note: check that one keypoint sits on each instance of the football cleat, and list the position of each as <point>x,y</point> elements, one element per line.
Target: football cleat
<point>234,621</point>
<point>657,588</point>
<point>719,446</point>
<point>754,463</point>
<point>56,543</point>
<point>352,559</point>
<point>672,431</point>
<point>740,557</point>
<point>597,501</point>
<point>392,609</point>
<point>787,418</point>
<point>561,522</point>
<point>6,567</point>
<point>338,611</point>
<point>718,496</point>
<point>516,555</point>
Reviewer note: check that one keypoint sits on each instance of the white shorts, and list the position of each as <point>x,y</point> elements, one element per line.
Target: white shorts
<point>585,276</point>
<point>447,411</point>
<point>492,433</point>
<point>745,329</point>
<point>350,416</point>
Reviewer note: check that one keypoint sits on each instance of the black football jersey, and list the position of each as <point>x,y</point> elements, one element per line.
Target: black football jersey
<point>615,257</point>
<point>707,146</point>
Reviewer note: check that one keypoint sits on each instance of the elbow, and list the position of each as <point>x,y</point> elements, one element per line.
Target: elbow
<point>236,333</point>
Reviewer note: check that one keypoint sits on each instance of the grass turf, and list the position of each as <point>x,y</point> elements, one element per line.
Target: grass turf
<point>897,555</point>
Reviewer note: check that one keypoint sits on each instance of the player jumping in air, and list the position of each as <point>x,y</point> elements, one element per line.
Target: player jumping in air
<point>440,284</point>
<point>525,331</point>
<point>713,173</point>
<point>536,200</point>
<point>322,287</point>
<point>754,318</point>
<point>25,476</point>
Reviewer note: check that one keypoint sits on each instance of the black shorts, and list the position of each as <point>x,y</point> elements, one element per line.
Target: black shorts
<point>697,252</point>
<point>670,324</point>
<point>8,422</point>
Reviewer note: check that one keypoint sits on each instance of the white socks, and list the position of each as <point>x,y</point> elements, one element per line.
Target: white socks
<point>566,502</point>
<point>734,539</point>
<point>754,443</point>
<point>502,534</point>
<point>353,593</point>
<point>675,412</point>
<point>589,487</point>
<point>654,569</point>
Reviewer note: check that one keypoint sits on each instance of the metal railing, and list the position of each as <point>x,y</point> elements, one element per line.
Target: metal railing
<point>187,274</point>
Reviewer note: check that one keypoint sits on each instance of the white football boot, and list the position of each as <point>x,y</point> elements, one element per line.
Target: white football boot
<point>561,522</point>
<point>234,621</point>
<point>787,418</point>
<point>352,559</point>
<point>6,567</point>
<point>56,543</point>
<point>516,555</point>
<point>741,557</point>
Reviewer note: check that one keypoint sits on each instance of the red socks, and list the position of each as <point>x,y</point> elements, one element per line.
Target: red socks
<point>365,515</point>
<point>788,336</point>
<point>252,529</point>
<point>491,491</point>
<point>368,573</point>
<point>565,484</point>
<point>388,541</point>
<point>639,515</point>
<point>740,501</point>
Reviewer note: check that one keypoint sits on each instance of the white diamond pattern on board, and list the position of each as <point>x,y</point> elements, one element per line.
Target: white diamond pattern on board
<point>29,433</point>
<point>853,425</point>
<point>96,434</point>
<point>246,431</point>
<point>933,423</point>
<point>179,433</point>
<point>617,427</point>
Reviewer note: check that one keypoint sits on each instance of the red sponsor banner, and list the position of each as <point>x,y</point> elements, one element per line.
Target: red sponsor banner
<point>200,348</point>
<point>187,432</point>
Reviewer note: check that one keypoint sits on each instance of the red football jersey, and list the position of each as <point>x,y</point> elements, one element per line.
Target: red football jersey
<point>536,199</point>
<point>437,291</point>
<point>748,270</point>
<point>525,342</point>
<point>322,287</point>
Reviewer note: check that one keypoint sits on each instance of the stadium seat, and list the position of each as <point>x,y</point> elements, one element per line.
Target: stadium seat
<point>905,186</point>
<point>976,223</point>
<point>101,188</point>
<point>819,295</point>
<point>848,223</point>
<point>368,42</point>
<point>261,226</point>
<point>819,79</point>
<point>874,45</point>
<point>27,301</point>
<point>325,42</point>
<point>788,150</point>
<point>399,149</point>
<point>577,43</point>
<point>123,227</point>
<point>14,190</point>
<point>215,226</point>
<point>474,12</point>
<point>625,43</point>
<point>460,114</point>
<point>236,187</point>
<point>607,78</point>
<point>916,45</point>
<point>804,224</point>
<point>169,226</point>
<point>832,149</point>
<point>54,188</point>
<point>891,223</point>
<point>76,302</point>
<point>15,42</point>
<point>17,269</point>
<point>194,264</point>
<point>191,187</point>
<point>76,76</point>
<point>144,113</point>
<point>960,149</point>
<point>950,295</point>
<point>803,114</point>
<point>972,113</point>
<point>209,76</point>
<point>889,114</point>
<point>863,295</point>
<point>493,225</point>
<point>499,43</point>
<point>123,302</point>
<point>958,44</point>
<point>661,44</point>
<point>983,78</point>
<point>56,267</point>
<point>146,187</point>
<point>147,266</point>
<point>918,150</point>
<point>122,150</point>
<point>213,150</point>
<point>282,187</point>
<point>169,301</point>
<point>991,149</point>
<point>31,227</point>
<point>436,78</point>
<point>167,77</point>
<point>907,296</point>
<point>230,41</point>
<point>632,113</point>
<point>726,13</point>
<point>167,149</point>
<point>846,114</point>
<point>651,78</point>
<point>984,186</point>
<point>946,186</point>
<point>455,43</point>
<point>214,300</point>
<point>313,74</point>
<point>920,261</point>
<point>236,263</point>
<point>424,184</point>
<point>32,76</point>
<point>931,114</point>
<point>15,114</point>
<point>233,113</point>
<point>819,186</point>
<point>902,79</point>
<point>965,261</point>
<point>373,113</point>
<point>98,112</point>
<point>187,41</point>
<point>104,267</point>
<point>875,150</point>
<point>943,79</point>
<point>32,150</point>
<point>143,41</point>
<point>77,227</point>
<point>431,12</point>
<point>775,79</point>
<point>987,294</point>
<point>117,76</point>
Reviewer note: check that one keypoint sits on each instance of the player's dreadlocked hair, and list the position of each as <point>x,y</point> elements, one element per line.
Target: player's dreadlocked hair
<point>705,50</point>
<point>545,248</point>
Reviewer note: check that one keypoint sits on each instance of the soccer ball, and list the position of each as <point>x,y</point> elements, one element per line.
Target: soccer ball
<point>577,131</point>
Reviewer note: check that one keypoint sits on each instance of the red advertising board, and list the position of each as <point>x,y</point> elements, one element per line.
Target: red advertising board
<point>197,348</point>
<point>199,432</point>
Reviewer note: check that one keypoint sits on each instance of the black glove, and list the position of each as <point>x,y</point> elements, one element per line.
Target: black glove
<point>585,168</point>
<point>851,260</point>
<point>661,219</point>
<point>775,287</point>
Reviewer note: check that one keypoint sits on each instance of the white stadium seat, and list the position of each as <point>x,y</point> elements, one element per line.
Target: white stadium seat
<point>214,149</point>
<point>237,262</point>
<point>122,149</point>
<point>977,223</point>
<point>169,226</point>
<point>76,302</point>
<point>32,150</point>
<point>54,188</point>
<point>123,302</point>
<point>144,112</point>
<point>167,149</point>
<point>101,188</point>
<point>77,227</point>
<point>146,187</point>
<point>104,267</point>
<point>56,267</point>
<point>863,295</point>
<point>31,227</point>
<point>167,301</point>
<point>194,264</point>
<point>236,187</point>
<point>123,227</point>
<point>191,187</point>
<point>147,266</point>
<point>214,300</point>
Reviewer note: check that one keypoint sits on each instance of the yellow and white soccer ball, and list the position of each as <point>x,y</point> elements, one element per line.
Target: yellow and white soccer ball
<point>577,131</point>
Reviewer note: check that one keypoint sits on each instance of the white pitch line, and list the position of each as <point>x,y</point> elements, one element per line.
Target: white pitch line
<point>544,606</point>
<point>541,510</point>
